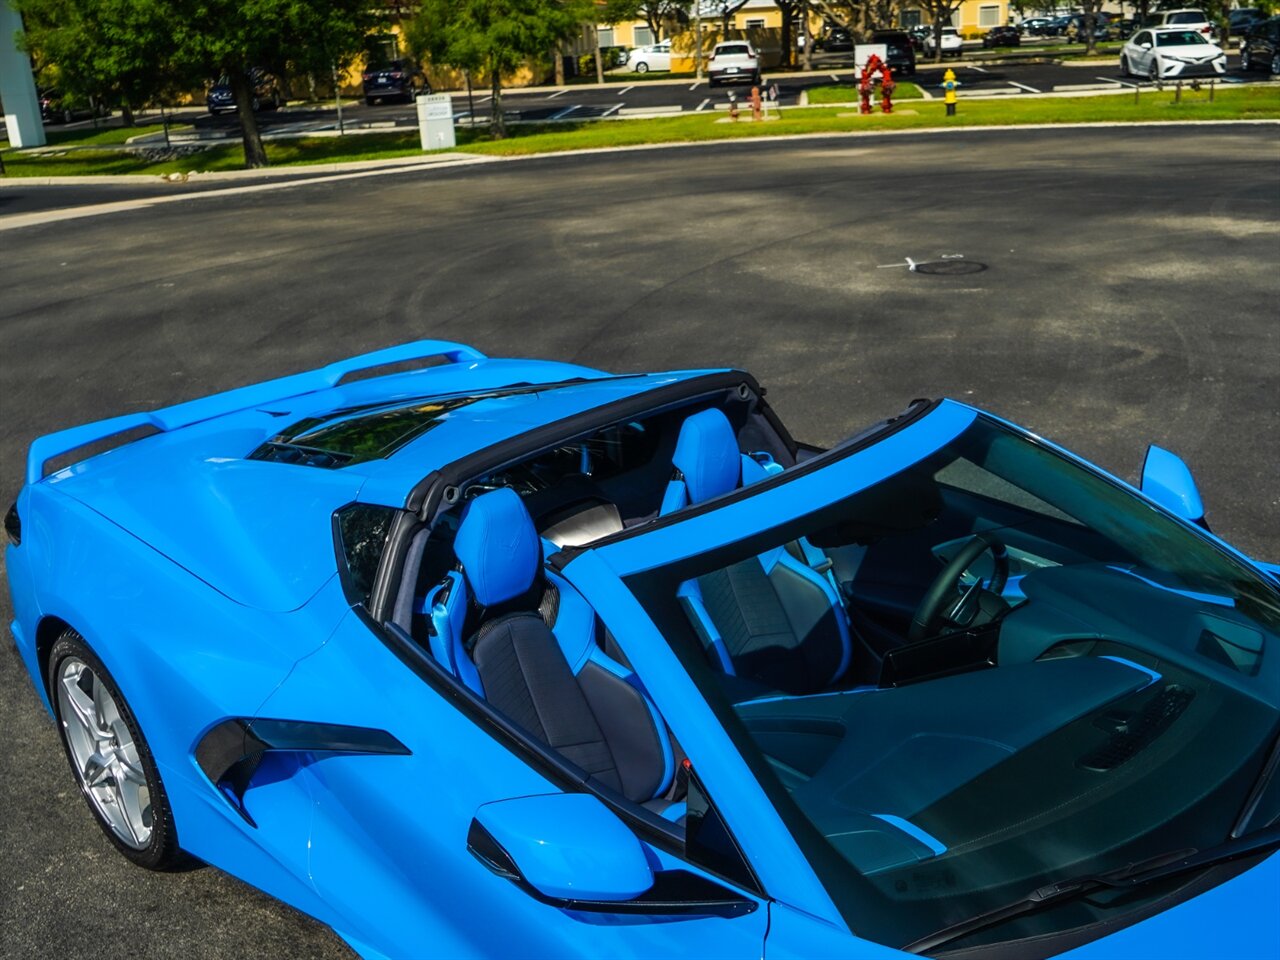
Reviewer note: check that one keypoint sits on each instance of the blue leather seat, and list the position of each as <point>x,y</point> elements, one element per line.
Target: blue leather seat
<point>527,645</point>
<point>773,619</point>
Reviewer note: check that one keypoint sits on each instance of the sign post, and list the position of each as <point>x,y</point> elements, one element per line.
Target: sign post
<point>435,122</point>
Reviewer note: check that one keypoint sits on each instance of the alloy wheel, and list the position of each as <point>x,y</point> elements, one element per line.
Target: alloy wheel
<point>104,753</point>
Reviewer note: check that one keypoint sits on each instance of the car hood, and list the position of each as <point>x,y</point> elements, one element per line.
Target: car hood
<point>1234,919</point>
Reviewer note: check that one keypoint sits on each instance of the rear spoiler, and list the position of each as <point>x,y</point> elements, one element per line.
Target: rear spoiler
<point>46,448</point>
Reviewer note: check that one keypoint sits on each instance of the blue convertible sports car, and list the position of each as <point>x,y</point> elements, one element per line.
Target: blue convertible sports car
<point>514,658</point>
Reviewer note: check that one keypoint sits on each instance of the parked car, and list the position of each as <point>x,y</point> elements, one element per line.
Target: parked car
<point>1123,29</point>
<point>1171,53</point>
<point>1033,26</point>
<point>835,40</point>
<point>1239,21</point>
<point>267,94</point>
<point>917,35</point>
<point>1189,18</point>
<point>952,44</point>
<point>1056,26</point>
<point>513,657</point>
<point>1260,48</point>
<point>1074,31</point>
<point>56,107</point>
<point>399,79</point>
<point>1002,37</point>
<point>656,56</point>
<point>900,54</point>
<point>733,61</point>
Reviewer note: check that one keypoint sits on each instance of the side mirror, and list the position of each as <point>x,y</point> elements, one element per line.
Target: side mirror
<point>1144,46</point>
<point>566,846</point>
<point>570,851</point>
<point>1168,481</point>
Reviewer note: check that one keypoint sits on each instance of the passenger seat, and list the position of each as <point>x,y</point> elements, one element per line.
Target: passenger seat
<point>550,678</point>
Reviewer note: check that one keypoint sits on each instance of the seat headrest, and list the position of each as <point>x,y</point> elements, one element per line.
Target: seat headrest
<point>707,454</point>
<point>497,547</point>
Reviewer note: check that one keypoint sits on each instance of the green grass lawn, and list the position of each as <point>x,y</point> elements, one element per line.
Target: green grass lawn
<point>848,93</point>
<point>1260,102</point>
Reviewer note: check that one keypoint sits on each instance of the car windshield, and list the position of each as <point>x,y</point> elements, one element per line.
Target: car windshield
<point>990,671</point>
<point>1180,38</point>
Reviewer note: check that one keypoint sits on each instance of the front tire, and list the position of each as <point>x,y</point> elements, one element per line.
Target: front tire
<point>1275,64</point>
<point>642,67</point>
<point>109,757</point>
<point>1153,72</point>
<point>1245,63</point>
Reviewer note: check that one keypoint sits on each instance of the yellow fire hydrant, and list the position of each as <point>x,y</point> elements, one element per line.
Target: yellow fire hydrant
<point>949,84</point>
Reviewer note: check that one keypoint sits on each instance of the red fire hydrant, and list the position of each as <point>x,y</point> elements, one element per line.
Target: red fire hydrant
<point>755,104</point>
<point>886,92</point>
<point>864,88</point>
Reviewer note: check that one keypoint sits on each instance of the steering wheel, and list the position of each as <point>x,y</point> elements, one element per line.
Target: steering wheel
<point>938,605</point>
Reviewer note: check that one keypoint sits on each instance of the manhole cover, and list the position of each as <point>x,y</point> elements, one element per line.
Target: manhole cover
<point>950,268</point>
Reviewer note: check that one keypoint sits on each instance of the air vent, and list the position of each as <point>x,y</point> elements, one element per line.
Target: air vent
<point>1133,734</point>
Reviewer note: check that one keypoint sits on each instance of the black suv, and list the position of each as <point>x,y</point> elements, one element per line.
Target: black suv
<point>1260,48</point>
<point>1002,37</point>
<point>901,58</point>
<point>266,94</point>
<point>394,78</point>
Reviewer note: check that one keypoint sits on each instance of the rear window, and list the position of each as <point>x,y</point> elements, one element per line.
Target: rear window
<point>1188,17</point>
<point>738,50</point>
<point>368,432</point>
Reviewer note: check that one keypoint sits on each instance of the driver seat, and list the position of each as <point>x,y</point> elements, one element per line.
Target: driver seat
<point>772,620</point>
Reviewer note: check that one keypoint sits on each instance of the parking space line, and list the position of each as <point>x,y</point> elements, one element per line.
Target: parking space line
<point>696,85</point>
<point>835,78</point>
<point>1111,80</point>
<point>566,111</point>
<point>979,69</point>
<point>702,105</point>
<point>558,93</point>
<point>1023,86</point>
<point>625,89</point>
<point>615,107</point>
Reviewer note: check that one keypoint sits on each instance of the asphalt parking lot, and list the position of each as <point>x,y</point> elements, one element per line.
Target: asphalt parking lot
<point>1120,289</point>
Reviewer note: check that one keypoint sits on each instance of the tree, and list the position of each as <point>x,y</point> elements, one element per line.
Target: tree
<point>940,11</point>
<point>138,50</point>
<point>494,35</point>
<point>790,10</point>
<point>112,51</point>
<point>656,13</point>
<point>235,37</point>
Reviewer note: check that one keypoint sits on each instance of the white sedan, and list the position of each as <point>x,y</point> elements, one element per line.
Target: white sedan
<point>1171,53</point>
<point>656,56</point>
<point>951,42</point>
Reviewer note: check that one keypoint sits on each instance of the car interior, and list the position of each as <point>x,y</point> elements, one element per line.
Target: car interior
<point>942,665</point>
<point>478,593</point>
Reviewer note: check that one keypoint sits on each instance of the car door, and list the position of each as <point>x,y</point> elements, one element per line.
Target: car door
<point>661,56</point>
<point>388,842</point>
<point>1140,52</point>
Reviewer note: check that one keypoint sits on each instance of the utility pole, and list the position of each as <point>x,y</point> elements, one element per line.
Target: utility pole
<point>595,32</point>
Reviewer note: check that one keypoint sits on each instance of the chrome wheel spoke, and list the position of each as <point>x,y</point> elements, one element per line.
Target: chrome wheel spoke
<point>82,706</point>
<point>96,769</point>
<point>131,772</point>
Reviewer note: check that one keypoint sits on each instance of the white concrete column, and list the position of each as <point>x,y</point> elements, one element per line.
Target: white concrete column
<point>17,87</point>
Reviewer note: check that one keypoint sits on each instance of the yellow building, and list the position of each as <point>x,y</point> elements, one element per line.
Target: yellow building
<point>973,18</point>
